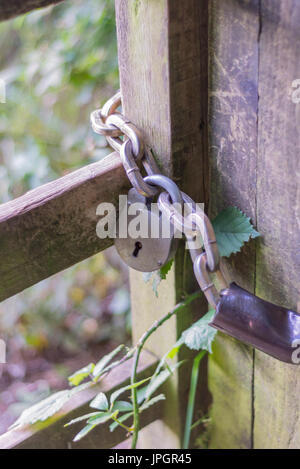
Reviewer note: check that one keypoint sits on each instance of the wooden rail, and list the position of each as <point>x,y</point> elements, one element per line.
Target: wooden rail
<point>54,226</point>
<point>52,434</point>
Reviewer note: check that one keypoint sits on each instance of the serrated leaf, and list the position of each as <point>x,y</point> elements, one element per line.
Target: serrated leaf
<point>100,366</point>
<point>79,419</point>
<point>76,378</point>
<point>200,335</point>
<point>233,229</point>
<point>122,406</point>
<point>47,407</point>
<point>100,402</point>
<point>104,417</point>
<point>154,400</point>
<point>118,392</point>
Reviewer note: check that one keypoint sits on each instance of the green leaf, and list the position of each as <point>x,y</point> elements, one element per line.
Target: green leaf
<point>154,400</point>
<point>175,349</point>
<point>79,419</point>
<point>100,402</point>
<point>233,229</point>
<point>117,393</point>
<point>100,366</point>
<point>122,406</point>
<point>166,269</point>
<point>47,407</point>
<point>158,275</point>
<point>81,374</point>
<point>104,417</point>
<point>200,335</point>
<point>84,432</point>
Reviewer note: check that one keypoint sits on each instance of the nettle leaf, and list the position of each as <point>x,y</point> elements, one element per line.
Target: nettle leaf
<point>77,377</point>
<point>100,402</point>
<point>100,366</point>
<point>157,276</point>
<point>47,407</point>
<point>200,335</point>
<point>233,229</point>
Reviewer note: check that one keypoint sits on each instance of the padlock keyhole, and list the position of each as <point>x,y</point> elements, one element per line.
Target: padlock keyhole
<point>137,248</point>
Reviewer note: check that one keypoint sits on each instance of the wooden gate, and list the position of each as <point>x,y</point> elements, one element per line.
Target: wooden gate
<point>212,85</point>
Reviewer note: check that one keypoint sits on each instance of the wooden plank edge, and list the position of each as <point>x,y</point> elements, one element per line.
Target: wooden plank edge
<point>52,434</point>
<point>53,226</point>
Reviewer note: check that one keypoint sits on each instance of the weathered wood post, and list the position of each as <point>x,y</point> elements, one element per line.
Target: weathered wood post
<point>163,73</point>
<point>254,155</point>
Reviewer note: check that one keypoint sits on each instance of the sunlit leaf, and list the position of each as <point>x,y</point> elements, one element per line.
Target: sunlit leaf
<point>77,377</point>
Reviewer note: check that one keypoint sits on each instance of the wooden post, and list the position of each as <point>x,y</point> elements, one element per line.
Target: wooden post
<point>163,73</point>
<point>233,101</point>
<point>254,152</point>
<point>277,385</point>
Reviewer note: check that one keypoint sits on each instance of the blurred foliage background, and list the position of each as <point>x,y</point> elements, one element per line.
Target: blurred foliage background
<point>58,64</point>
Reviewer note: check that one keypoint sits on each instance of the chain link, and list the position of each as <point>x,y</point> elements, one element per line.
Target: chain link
<point>114,126</point>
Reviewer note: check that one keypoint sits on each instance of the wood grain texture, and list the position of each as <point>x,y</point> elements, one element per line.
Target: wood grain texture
<point>52,434</point>
<point>233,101</point>
<point>277,385</point>
<point>163,73</point>
<point>54,226</point>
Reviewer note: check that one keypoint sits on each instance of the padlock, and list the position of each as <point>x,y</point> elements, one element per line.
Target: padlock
<point>146,253</point>
<point>273,329</point>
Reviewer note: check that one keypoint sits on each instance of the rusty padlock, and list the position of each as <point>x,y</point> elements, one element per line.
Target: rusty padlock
<point>273,329</point>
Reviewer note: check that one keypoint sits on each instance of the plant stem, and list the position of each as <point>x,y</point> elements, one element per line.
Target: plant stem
<point>191,401</point>
<point>122,424</point>
<point>139,347</point>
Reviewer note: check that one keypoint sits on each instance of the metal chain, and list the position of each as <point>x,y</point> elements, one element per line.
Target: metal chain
<point>114,126</point>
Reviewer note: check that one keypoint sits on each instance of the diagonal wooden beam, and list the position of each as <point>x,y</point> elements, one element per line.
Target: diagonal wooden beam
<point>11,8</point>
<point>54,226</point>
<point>52,434</point>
